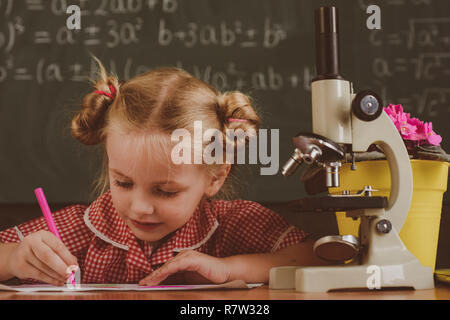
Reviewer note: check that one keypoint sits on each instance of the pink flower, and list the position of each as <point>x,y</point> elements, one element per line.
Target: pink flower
<point>392,109</point>
<point>419,133</point>
<point>431,136</point>
<point>401,121</point>
<point>412,129</point>
<point>407,131</point>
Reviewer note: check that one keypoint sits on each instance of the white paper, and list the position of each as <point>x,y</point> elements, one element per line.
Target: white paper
<point>236,284</point>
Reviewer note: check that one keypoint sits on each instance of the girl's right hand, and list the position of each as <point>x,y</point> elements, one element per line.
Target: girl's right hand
<point>41,256</point>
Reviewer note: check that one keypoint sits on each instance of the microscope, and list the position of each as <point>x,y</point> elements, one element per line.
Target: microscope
<point>344,124</point>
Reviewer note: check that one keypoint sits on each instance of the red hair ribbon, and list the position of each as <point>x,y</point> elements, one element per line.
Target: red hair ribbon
<point>236,120</point>
<point>112,95</point>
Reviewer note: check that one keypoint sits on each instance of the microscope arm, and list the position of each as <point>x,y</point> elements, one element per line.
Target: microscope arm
<point>383,133</point>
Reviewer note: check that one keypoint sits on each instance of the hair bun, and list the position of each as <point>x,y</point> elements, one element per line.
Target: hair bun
<point>89,122</point>
<point>237,113</point>
<point>236,105</point>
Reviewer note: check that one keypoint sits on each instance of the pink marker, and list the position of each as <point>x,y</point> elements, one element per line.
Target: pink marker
<point>72,278</point>
<point>46,211</point>
<point>49,219</point>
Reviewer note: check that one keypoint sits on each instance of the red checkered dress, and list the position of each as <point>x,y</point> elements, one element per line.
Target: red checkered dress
<point>108,252</point>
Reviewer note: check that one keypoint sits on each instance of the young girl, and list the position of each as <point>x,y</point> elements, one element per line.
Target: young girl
<point>155,221</point>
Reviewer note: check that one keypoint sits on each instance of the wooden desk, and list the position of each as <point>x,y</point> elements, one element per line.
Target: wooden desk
<point>441,292</point>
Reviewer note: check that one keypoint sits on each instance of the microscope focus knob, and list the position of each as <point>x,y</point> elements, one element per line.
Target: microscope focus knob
<point>367,105</point>
<point>384,226</point>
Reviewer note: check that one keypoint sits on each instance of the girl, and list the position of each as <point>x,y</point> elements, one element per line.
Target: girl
<point>155,221</point>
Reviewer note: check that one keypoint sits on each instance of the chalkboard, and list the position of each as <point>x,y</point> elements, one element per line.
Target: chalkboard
<point>264,48</point>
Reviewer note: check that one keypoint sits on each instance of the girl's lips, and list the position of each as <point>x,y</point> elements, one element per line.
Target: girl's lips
<point>145,226</point>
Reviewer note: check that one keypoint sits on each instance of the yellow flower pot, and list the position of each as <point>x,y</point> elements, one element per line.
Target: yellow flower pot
<point>420,231</point>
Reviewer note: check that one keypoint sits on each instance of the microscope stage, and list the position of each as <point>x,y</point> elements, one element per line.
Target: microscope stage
<point>333,204</point>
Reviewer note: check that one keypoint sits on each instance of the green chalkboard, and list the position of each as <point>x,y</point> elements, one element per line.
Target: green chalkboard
<point>264,48</point>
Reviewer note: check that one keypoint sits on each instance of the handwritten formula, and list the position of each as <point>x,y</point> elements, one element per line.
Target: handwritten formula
<point>413,45</point>
<point>265,48</point>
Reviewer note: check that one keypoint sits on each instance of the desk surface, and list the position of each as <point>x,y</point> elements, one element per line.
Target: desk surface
<point>441,292</point>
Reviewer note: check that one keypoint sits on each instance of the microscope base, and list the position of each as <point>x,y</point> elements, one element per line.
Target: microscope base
<point>387,263</point>
<point>323,279</point>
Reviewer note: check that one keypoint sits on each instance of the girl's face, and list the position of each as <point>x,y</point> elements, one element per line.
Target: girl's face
<point>153,196</point>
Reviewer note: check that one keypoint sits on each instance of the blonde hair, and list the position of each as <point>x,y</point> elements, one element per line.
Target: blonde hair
<point>164,99</point>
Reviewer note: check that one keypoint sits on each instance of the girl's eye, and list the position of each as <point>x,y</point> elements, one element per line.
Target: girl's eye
<point>125,185</point>
<point>166,194</point>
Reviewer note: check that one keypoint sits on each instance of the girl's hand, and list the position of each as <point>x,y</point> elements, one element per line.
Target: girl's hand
<point>41,256</point>
<point>190,267</point>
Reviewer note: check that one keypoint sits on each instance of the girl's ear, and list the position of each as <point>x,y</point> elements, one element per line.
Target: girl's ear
<point>216,182</point>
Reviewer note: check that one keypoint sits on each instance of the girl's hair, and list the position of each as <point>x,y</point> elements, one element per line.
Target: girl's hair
<point>163,99</point>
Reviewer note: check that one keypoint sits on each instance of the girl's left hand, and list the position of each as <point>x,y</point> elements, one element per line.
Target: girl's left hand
<point>190,266</point>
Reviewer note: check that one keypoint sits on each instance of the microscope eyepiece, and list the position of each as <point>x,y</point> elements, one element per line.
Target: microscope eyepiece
<point>327,43</point>
<point>327,20</point>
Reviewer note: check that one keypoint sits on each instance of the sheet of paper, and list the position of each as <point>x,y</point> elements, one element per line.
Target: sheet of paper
<point>236,284</point>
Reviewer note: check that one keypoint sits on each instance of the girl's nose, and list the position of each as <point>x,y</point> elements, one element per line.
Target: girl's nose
<point>141,204</point>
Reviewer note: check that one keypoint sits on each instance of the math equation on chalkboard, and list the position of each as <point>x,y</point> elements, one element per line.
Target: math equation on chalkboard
<point>128,28</point>
<point>265,48</point>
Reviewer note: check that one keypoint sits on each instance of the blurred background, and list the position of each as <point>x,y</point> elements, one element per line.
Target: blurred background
<point>264,48</point>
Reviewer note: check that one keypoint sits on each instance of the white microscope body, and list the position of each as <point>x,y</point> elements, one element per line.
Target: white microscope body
<point>356,121</point>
